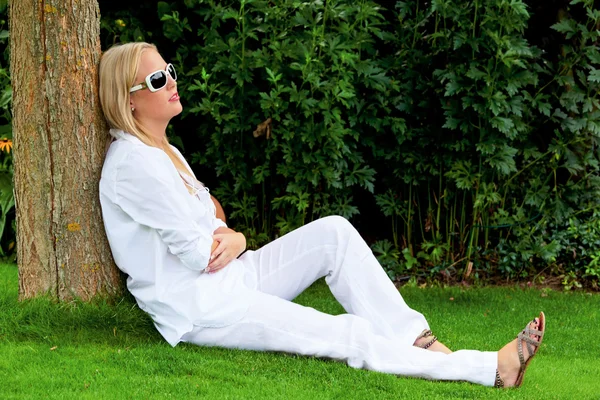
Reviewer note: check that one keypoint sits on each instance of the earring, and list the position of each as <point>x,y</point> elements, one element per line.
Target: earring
<point>132,109</point>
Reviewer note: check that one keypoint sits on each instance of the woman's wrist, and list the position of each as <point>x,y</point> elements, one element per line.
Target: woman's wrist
<point>243,238</point>
<point>242,243</point>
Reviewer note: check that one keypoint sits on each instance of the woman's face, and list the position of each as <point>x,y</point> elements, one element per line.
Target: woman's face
<point>154,107</point>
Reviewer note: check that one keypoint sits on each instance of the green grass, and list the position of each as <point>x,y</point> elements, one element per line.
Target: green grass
<point>102,351</point>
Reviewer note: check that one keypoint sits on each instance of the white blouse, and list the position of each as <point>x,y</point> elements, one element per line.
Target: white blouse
<point>161,235</point>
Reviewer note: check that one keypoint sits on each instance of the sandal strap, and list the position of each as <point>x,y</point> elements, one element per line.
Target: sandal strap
<point>430,343</point>
<point>520,353</point>
<point>425,333</point>
<point>531,343</point>
<point>498,382</point>
<point>531,331</point>
<point>524,336</point>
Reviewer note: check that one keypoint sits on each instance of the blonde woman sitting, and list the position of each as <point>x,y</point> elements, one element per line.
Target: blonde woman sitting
<point>190,273</point>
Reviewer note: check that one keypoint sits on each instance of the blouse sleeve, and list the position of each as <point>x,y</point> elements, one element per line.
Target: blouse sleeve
<point>146,190</point>
<point>218,223</point>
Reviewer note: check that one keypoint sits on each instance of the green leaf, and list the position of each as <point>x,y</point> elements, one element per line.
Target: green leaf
<point>272,77</point>
<point>6,131</point>
<point>475,73</point>
<point>593,55</point>
<point>550,251</point>
<point>163,8</point>
<point>503,160</point>
<point>559,113</point>
<point>7,199</point>
<point>567,25</point>
<point>463,175</point>
<point>452,87</point>
<point>410,260</point>
<point>544,108</point>
<point>452,123</point>
<point>6,97</point>
<point>594,76</point>
<point>504,125</point>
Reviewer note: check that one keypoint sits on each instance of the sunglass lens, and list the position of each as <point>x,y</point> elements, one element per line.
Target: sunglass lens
<point>171,70</point>
<point>158,80</point>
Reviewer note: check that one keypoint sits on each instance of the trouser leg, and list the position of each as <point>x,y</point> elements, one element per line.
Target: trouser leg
<point>332,248</point>
<point>274,324</point>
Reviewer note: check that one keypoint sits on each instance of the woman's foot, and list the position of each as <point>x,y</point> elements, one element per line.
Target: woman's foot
<point>431,343</point>
<point>509,365</point>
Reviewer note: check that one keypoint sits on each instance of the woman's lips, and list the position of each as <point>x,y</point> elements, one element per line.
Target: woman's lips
<point>175,97</point>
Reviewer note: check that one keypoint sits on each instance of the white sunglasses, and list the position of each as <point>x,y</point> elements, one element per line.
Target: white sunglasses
<point>156,80</point>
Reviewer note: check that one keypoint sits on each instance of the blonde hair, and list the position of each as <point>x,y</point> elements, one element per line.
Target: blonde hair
<point>118,69</point>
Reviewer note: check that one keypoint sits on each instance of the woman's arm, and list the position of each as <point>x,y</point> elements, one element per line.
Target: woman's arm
<point>220,211</point>
<point>145,189</point>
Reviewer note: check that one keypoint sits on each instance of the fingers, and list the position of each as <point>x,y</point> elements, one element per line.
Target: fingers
<point>217,251</point>
<point>227,248</point>
<point>220,257</point>
<point>215,268</point>
<point>219,262</point>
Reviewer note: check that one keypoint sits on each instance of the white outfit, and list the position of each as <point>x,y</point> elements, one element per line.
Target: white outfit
<point>160,235</point>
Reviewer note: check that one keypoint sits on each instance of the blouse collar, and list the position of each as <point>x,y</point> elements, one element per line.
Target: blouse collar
<point>120,134</point>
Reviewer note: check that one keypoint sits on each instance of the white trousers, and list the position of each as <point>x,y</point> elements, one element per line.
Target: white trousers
<point>378,331</point>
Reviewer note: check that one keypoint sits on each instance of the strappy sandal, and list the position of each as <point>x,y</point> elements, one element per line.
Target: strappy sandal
<point>425,334</point>
<point>532,348</point>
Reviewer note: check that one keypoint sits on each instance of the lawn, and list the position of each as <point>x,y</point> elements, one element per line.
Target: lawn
<point>102,351</point>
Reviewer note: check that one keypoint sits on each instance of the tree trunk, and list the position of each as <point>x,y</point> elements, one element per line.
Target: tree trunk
<point>59,142</point>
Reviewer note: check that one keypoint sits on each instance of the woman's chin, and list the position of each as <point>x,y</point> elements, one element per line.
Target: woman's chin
<point>177,108</point>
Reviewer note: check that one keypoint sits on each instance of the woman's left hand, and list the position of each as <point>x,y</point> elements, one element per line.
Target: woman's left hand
<point>230,246</point>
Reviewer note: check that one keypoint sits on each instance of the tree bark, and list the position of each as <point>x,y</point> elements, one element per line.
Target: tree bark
<point>59,137</point>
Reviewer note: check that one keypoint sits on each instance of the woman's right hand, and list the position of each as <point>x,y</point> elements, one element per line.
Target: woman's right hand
<point>228,247</point>
<point>214,245</point>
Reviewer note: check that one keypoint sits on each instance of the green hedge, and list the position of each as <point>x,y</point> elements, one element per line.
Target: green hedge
<point>461,138</point>
<point>7,200</point>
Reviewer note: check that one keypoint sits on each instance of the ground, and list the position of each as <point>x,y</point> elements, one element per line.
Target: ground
<point>111,351</point>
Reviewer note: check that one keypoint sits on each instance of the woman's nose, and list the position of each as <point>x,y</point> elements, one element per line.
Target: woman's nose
<point>170,81</point>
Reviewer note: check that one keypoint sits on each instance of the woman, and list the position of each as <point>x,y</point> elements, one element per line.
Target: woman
<point>183,267</point>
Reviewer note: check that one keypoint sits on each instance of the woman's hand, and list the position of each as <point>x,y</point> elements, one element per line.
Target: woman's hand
<point>229,245</point>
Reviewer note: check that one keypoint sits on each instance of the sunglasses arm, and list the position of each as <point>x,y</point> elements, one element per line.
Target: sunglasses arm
<point>138,87</point>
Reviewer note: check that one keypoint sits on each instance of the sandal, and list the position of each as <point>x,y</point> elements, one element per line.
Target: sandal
<point>426,333</point>
<point>532,348</point>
